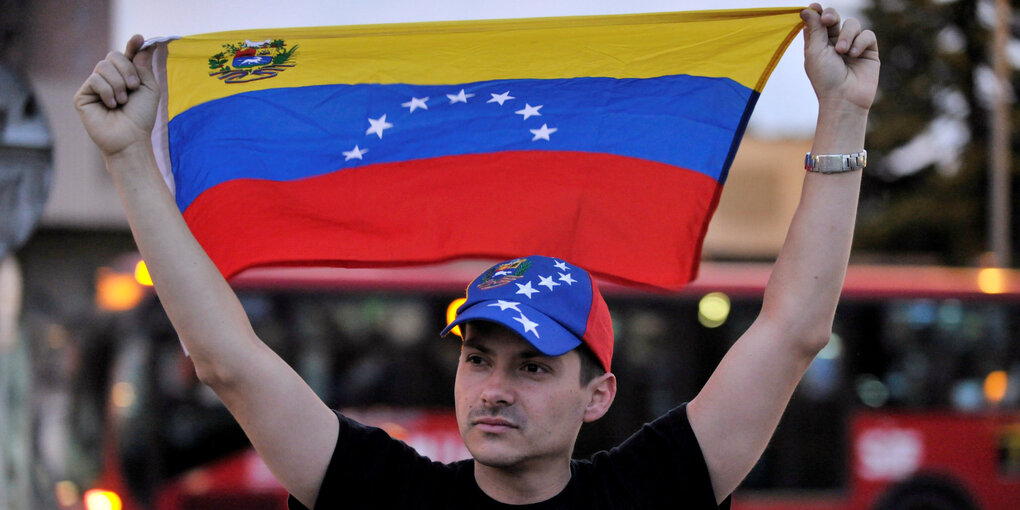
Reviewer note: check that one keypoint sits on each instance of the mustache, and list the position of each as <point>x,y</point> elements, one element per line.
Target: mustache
<point>507,413</point>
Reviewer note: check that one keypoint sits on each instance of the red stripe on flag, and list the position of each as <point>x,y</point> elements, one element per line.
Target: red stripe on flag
<point>600,211</point>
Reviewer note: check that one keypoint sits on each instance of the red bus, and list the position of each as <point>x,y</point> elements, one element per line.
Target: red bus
<point>915,403</point>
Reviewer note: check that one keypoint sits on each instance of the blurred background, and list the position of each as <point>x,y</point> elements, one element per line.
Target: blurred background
<point>915,403</point>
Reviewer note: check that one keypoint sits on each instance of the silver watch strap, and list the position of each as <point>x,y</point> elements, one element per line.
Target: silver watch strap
<point>835,163</point>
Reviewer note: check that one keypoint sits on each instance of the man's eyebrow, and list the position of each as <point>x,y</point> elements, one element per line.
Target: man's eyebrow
<point>533,353</point>
<point>525,354</point>
<point>471,344</point>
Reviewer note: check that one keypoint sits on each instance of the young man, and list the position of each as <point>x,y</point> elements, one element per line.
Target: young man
<point>519,393</point>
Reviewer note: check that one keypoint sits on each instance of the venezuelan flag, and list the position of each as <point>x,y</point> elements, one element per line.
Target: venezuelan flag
<point>603,140</point>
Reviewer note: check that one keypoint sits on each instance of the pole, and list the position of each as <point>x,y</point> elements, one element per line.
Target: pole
<point>999,143</point>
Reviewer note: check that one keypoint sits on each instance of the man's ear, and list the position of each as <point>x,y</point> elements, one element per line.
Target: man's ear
<point>602,390</point>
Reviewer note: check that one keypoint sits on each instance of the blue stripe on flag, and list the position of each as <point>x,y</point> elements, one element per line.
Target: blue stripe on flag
<point>293,133</point>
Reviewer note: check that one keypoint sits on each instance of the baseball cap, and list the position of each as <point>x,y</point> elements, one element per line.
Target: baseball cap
<point>553,305</point>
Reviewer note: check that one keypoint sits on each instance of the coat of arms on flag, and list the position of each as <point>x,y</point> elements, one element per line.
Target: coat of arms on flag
<point>247,60</point>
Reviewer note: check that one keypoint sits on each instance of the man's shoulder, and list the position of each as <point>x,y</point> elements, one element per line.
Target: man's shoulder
<point>670,429</point>
<point>659,463</point>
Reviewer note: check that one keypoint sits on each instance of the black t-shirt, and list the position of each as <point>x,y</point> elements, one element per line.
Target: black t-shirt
<point>660,466</point>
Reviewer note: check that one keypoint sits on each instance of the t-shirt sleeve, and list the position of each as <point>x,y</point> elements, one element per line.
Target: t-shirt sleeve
<point>369,469</point>
<point>661,465</point>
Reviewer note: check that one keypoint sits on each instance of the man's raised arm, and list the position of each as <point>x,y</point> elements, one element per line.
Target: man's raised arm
<point>290,427</point>
<point>737,411</point>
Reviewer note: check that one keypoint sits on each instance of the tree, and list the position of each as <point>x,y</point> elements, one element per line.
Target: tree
<point>925,191</point>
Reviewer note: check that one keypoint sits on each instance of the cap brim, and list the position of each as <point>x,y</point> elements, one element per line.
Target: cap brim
<point>548,336</point>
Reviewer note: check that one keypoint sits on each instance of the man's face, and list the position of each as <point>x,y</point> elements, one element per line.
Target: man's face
<point>516,405</point>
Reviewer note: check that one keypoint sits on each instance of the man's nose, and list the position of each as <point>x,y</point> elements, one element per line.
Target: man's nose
<point>497,390</point>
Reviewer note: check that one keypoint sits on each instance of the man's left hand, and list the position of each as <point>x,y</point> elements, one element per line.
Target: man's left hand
<point>841,59</point>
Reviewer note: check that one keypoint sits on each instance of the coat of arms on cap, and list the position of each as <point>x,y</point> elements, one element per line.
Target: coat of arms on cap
<point>246,60</point>
<point>504,273</point>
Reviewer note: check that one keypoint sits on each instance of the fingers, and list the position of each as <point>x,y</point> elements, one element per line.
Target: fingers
<point>96,85</point>
<point>851,29</point>
<point>848,38</point>
<point>854,41</point>
<point>865,45</point>
<point>125,68</point>
<point>116,78</point>
<point>830,20</point>
<point>119,73</point>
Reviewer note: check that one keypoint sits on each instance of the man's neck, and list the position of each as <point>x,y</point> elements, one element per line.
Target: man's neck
<point>523,485</point>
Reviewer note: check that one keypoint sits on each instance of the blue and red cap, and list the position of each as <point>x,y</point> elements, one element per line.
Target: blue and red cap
<point>553,305</point>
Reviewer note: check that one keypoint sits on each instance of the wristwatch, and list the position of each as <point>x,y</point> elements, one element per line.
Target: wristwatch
<point>835,163</point>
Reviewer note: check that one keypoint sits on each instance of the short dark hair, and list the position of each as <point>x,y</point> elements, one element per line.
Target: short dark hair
<point>590,365</point>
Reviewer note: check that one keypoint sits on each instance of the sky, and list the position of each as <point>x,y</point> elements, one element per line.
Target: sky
<point>786,109</point>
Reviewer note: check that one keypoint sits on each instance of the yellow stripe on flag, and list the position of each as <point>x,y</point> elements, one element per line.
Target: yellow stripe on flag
<point>743,45</point>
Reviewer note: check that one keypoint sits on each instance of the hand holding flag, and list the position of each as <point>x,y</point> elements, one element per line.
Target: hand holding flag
<point>117,103</point>
<point>841,61</point>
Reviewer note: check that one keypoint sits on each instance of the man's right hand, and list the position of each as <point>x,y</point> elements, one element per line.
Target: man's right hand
<point>117,103</point>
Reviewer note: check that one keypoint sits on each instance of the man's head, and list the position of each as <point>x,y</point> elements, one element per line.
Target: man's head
<point>535,361</point>
<point>516,405</point>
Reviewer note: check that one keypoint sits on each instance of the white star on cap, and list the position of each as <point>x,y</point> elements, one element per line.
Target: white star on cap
<point>565,278</point>
<point>561,265</point>
<point>529,111</point>
<point>416,103</point>
<point>543,132</point>
<point>503,305</point>
<point>529,327</point>
<point>547,281</point>
<point>526,289</point>
<point>354,153</point>
<point>459,97</point>
<point>500,98</point>
<point>378,126</point>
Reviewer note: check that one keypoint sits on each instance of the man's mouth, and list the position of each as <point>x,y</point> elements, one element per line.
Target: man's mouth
<point>493,424</point>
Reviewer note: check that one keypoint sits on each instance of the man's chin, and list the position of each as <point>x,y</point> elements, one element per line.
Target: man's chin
<point>496,461</point>
<point>494,452</point>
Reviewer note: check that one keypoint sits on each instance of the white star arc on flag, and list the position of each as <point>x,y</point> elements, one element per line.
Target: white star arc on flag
<point>529,111</point>
<point>378,126</point>
<point>529,326</point>
<point>416,103</point>
<point>500,98</point>
<point>459,97</point>
<point>354,153</point>
<point>561,265</point>
<point>565,278</point>
<point>542,133</point>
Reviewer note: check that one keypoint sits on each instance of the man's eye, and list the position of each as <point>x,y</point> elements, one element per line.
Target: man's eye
<point>473,359</point>
<point>534,368</point>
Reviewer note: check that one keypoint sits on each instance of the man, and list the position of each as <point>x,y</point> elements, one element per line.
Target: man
<point>520,395</point>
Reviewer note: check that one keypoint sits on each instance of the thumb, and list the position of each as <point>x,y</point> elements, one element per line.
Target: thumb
<point>141,57</point>
<point>143,63</point>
